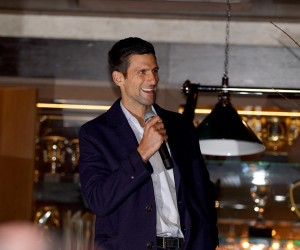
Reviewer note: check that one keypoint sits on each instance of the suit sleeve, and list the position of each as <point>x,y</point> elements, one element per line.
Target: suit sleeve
<point>108,177</point>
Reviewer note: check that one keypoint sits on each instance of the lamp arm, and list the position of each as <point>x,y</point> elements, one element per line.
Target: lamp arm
<point>244,90</point>
<point>191,91</point>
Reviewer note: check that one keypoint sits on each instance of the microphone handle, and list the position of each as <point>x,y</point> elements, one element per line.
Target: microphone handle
<point>165,156</point>
<point>163,150</point>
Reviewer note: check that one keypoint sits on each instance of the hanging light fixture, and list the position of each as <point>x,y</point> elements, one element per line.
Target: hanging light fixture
<point>223,132</point>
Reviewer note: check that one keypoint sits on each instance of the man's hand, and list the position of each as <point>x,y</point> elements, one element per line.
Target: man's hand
<point>154,135</point>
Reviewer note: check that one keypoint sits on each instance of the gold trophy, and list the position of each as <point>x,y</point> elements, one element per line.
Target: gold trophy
<point>260,192</point>
<point>74,154</point>
<point>292,188</point>
<point>54,152</point>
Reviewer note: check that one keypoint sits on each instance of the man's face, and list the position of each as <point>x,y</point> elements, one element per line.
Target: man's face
<point>139,87</point>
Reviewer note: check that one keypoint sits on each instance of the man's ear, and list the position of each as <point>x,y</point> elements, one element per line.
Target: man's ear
<point>118,78</point>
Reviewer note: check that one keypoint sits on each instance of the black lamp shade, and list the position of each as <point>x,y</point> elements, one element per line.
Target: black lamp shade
<point>224,133</point>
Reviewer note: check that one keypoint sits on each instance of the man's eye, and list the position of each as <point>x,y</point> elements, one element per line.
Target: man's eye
<point>142,72</point>
<point>155,71</point>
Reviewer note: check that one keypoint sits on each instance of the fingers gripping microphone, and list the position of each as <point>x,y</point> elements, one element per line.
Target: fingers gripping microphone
<point>163,150</point>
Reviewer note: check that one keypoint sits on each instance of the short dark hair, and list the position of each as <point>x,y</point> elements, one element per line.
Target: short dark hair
<point>118,56</point>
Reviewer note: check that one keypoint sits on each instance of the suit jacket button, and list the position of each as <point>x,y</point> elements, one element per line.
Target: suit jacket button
<point>150,245</point>
<point>148,208</point>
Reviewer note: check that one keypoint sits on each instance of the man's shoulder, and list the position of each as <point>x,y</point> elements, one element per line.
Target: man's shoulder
<point>171,116</point>
<point>94,123</point>
<point>163,111</point>
<point>106,118</point>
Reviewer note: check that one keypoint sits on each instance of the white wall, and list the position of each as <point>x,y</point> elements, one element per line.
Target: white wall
<point>159,30</point>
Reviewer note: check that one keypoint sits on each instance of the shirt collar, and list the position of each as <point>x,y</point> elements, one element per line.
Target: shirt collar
<point>128,115</point>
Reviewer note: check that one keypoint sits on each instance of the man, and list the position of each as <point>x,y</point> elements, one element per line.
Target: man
<point>138,203</point>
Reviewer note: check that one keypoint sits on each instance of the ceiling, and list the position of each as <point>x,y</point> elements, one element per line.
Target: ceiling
<point>287,10</point>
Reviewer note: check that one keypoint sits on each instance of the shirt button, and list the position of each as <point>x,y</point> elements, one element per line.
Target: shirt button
<point>148,208</point>
<point>150,245</point>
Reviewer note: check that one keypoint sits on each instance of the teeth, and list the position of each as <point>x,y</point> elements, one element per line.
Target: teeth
<point>148,89</point>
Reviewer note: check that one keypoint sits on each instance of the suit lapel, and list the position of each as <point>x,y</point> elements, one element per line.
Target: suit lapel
<point>119,123</point>
<point>171,133</point>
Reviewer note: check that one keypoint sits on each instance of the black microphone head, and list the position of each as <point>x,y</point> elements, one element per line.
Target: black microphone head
<point>149,115</point>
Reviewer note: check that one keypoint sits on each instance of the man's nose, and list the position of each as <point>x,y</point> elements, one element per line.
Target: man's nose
<point>152,78</point>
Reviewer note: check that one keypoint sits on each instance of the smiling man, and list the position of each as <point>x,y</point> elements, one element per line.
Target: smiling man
<point>138,202</point>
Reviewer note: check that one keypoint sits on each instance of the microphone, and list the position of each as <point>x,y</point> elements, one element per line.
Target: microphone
<point>163,150</point>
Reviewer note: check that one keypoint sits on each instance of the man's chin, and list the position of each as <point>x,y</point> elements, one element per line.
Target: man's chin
<point>149,101</point>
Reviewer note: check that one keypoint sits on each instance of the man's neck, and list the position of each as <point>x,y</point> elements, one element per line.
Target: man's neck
<point>138,112</point>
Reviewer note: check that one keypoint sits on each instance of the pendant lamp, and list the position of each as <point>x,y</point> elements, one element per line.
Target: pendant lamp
<point>223,132</point>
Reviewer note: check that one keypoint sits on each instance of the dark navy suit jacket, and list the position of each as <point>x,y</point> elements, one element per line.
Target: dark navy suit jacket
<point>118,188</point>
